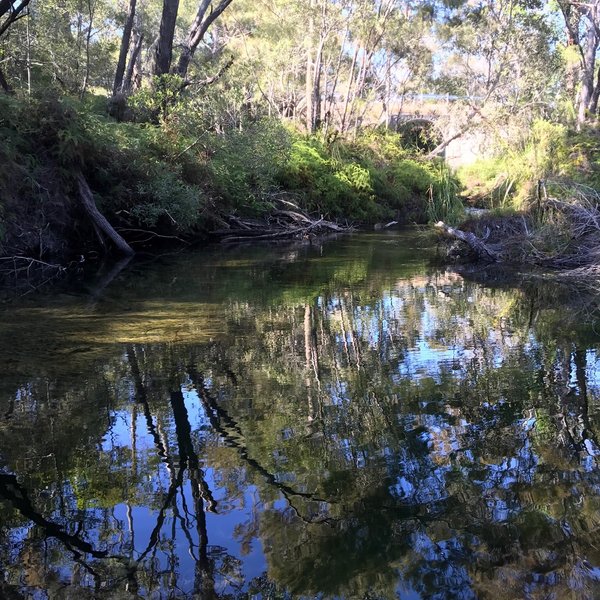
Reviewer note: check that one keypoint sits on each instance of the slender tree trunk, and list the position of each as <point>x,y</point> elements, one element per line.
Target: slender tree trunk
<point>587,83</point>
<point>316,89</point>
<point>118,85</point>
<point>349,89</point>
<point>309,87</point>
<point>88,38</point>
<point>28,33</point>
<point>164,46</point>
<point>197,31</point>
<point>330,95</point>
<point>128,83</point>
<point>595,96</point>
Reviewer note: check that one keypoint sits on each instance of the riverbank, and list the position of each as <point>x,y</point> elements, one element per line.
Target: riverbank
<point>173,182</point>
<point>561,234</point>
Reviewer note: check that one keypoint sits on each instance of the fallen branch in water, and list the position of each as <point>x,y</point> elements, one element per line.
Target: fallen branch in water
<point>560,234</point>
<point>98,219</point>
<point>476,244</point>
<point>287,222</point>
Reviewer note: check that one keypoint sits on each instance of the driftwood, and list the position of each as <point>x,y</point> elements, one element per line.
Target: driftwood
<point>287,222</point>
<point>98,219</point>
<point>562,234</point>
<point>477,245</point>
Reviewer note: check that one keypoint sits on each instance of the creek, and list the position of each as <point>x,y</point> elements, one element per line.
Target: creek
<point>341,419</point>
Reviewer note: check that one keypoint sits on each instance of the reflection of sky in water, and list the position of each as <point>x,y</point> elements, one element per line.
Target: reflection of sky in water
<point>221,526</point>
<point>446,436</point>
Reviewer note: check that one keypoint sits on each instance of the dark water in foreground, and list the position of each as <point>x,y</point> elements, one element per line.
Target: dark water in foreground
<point>329,421</point>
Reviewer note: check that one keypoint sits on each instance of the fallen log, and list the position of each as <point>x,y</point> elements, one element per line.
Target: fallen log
<point>273,235</point>
<point>98,219</point>
<point>477,245</point>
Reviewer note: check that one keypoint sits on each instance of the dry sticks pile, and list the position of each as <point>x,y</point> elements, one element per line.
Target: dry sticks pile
<point>286,222</point>
<point>557,234</point>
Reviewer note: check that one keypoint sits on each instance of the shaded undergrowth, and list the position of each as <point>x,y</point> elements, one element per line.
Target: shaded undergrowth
<point>175,180</point>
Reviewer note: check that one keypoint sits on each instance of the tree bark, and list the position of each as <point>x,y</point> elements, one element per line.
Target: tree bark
<point>199,27</point>
<point>588,72</point>
<point>118,85</point>
<point>13,10</point>
<point>309,91</point>
<point>595,95</point>
<point>128,82</point>
<point>98,219</point>
<point>164,46</point>
<point>4,84</point>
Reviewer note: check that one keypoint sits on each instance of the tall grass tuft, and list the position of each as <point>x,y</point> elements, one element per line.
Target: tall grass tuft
<point>443,202</point>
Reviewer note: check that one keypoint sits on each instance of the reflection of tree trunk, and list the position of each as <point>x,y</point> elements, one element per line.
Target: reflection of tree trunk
<point>204,575</point>
<point>311,356</point>
<point>232,435</point>
<point>580,360</point>
<point>200,493</point>
<point>11,490</point>
<point>142,397</point>
<point>308,360</point>
<point>186,447</point>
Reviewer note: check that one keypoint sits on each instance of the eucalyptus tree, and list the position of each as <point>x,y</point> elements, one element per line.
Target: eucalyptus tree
<point>582,26</point>
<point>499,62</point>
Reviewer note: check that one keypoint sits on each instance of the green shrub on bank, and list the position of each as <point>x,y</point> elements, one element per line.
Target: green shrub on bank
<point>173,177</point>
<point>244,166</point>
<point>368,179</point>
<point>508,179</point>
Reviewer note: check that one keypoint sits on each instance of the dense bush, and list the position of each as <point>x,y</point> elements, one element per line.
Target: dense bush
<point>177,176</point>
<point>369,179</point>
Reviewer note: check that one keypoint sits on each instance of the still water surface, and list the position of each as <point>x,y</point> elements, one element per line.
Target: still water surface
<point>336,420</point>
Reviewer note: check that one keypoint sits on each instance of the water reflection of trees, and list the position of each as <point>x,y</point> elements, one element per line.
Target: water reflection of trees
<point>429,435</point>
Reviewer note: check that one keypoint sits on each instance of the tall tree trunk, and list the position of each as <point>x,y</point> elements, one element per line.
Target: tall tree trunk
<point>164,46</point>
<point>88,39</point>
<point>125,41</point>
<point>309,91</point>
<point>4,84</point>
<point>129,82</point>
<point>349,89</point>
<point>316,91</point>
<point>595,95</point>
<point>588,73</point>
<point>197,31</point>
<point>330,94</point>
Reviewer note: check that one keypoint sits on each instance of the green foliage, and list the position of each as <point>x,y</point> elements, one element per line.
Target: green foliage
<point>444,203</point>
<point>509,177</point>
<point>368,179</point>
<point>244,165</point>
<point>156,102</point>
<point>331,187</point>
